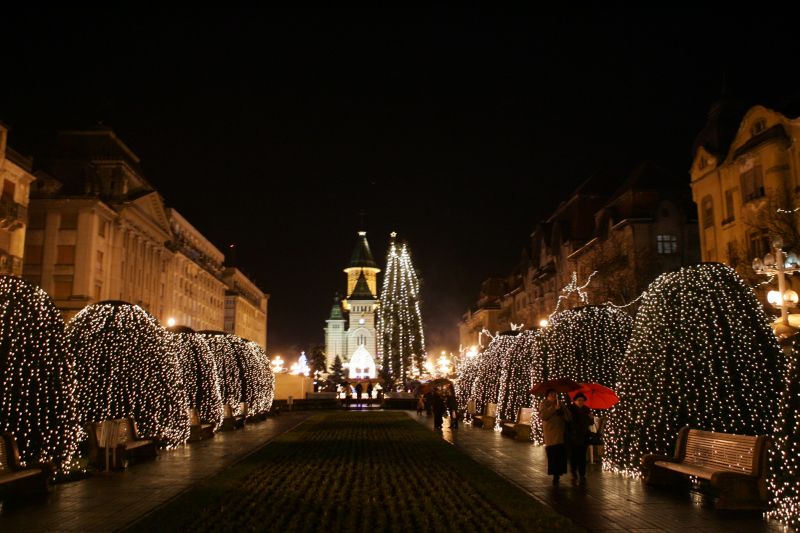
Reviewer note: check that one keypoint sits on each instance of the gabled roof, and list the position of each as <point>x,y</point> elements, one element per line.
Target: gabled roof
<point>362,256</point>
<point>361,290</point>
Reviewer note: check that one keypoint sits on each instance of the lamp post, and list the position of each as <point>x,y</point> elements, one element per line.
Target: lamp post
<point>778,264</point>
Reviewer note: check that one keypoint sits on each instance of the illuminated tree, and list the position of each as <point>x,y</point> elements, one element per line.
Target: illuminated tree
<point>243,371</point>
<point>585,344</point>
<point>466,378</point>
<point>486,384</point>
<point>337,371</point>
<point>784,460</point>
<point>260,381</point>
<point>701,354</point>
<point>229,371</point>
<point>199,374</point>
<point>125,366</point>
<point>401,340</point>
<point>515,374</point>
<point>37,402</point>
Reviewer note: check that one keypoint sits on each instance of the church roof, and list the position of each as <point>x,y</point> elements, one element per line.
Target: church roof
<point>336,310</point>
<point>362,257</point>
<point>361,290</point>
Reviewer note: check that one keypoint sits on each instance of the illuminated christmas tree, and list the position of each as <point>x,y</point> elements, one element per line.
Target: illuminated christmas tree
<point>702,354</point>
<point>199,374</point>
<point>401,341</point>
<point>784,460</point>
<point>37,402</point>
<point>586,344</point>
<point>466,377</point>
<point>125,366</point>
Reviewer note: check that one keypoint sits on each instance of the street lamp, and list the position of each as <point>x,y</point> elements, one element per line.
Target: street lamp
<point>778,264</point>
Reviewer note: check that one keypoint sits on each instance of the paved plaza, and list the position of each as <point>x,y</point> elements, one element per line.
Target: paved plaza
<point>108,502</point>
<point>608,502</point>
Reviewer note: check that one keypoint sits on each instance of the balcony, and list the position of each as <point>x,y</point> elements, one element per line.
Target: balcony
<point>13,216</point>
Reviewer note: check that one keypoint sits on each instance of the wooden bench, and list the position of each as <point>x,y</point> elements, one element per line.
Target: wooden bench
<point>16,480</point>
<point>231,421</point>
<point>521,429</point>
<point>115,443</point>
<point>487,420</point>
<point>734,465</point>
<point>198,430</point>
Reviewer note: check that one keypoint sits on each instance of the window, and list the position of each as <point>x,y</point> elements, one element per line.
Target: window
<point>667,244</point>
<point>708,212</point>
<point>9,187</point>
<point>66,255</point>
<point>63,287</point>
<point>752,183</point>
<point>729,214</point>
<point>33,254</point>
<point>99,260</point>
<point>69,221</point>
<point>758,126</point>
<point>703,163</point>
<point>102,228</point>
<point>759,244</point>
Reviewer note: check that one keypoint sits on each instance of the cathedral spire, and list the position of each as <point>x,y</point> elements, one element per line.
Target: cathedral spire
<point>362,290</point>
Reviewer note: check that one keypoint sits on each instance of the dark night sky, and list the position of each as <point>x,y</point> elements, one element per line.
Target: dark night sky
<point>459,129</point>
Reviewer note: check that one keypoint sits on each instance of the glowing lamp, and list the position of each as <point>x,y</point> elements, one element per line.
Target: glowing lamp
<point>543,323</point>
<point>170,322</point>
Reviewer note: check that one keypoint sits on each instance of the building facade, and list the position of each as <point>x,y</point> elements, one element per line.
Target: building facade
<point>246,307</point>
<point>351,327</point>
<point>745,182</point>
<point>621,229</point>
<point>100,231</point>
<point>15,180</point>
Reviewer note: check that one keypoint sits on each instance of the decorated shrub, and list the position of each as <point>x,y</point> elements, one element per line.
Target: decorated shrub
<point>199,374</point>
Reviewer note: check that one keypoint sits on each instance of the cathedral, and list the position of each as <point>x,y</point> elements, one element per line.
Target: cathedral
<point>351,331</point>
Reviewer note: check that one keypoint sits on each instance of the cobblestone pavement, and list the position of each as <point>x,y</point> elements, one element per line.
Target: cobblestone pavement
<point>608,502</point>
<point>107,502</point>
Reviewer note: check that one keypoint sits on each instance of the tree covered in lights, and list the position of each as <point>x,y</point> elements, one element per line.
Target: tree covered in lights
<point>37,402</point>
<point>586,344</point>
<point>515,374</point>
<point>466,377</point>
<point>199,374</point>
<point>784,459</point>
<point>229,371</point>
<point>486,381</point>
<point>260,386</point>
<point>401,340</point>
<point>702,354</point>
<point>125,366</point>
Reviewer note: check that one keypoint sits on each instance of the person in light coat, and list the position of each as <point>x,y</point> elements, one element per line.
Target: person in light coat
<point>554,418</point>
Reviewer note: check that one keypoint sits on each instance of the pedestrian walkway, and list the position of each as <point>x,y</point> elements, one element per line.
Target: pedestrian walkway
<point>107,502</point>
<point>609,502</point>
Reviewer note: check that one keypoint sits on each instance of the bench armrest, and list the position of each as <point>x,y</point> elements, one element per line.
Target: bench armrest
<point>650,459</point>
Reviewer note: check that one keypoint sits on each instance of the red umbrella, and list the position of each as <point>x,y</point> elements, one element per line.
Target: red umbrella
<point>597,396</point>
<point>559,385</point>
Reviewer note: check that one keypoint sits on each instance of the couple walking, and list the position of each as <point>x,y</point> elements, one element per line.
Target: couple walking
<point>566,435</point>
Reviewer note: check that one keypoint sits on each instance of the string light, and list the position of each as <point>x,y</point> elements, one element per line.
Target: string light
<point>784,458</point>
<point>571,288</point>
<point>37,403</point>
<point>401,340</point>
<point>199,375</point>
<point>125,367</point>
<point>701,354</point>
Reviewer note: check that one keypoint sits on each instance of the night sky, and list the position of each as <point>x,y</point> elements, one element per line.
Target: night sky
<point>459,129</point>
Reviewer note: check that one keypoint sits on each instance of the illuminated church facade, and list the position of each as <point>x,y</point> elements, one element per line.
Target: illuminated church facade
<point>351,328</point>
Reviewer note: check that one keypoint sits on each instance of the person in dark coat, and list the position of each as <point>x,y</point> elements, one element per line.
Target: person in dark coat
<point>438,405</point>
<point>578,436</point>
<point>452,407</point>
<point>428,398</point>
<point>359,388</point>
<point>369,391</point>
<point>554,418</point>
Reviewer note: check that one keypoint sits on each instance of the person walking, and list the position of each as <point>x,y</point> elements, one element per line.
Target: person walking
<point>554,418</point>
<point>452,407</point>
<point>369,391</point>
<point>359,388</point>
<point>438,409</point>
<point>578,436</point>
<point>420,404</point>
